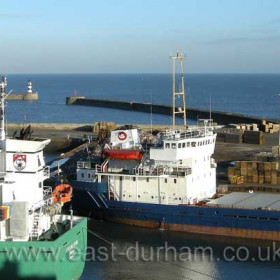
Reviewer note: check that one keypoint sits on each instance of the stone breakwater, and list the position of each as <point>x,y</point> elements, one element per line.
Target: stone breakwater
<point>192,113</point>
<point>23,96</point>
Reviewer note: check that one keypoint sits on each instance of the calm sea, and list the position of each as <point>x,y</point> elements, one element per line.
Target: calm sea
<point>248,94</point>
<point>141,254</point>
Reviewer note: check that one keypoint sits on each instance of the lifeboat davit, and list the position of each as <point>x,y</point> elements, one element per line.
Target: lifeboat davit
<point>62,193</point>
<point>123,154</point>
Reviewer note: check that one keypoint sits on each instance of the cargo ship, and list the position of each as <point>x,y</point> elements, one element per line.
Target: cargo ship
<point>171,185</point>
<point>37,241</point>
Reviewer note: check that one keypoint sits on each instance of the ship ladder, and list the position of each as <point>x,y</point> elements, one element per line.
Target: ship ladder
<point>112,193</point>
<point>137,168</point>
<point>103,165</point>
<point>35,227</point>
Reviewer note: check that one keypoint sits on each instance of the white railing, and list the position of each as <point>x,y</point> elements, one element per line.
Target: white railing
<point>84,165</point>
<point>42,203</point>
<point>165,170</point>
<point>190,133</point>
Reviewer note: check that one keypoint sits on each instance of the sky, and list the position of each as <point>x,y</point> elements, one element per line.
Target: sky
<point>137,36</point>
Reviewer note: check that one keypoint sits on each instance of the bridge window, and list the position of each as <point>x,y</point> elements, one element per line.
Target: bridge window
<point>88,175</point>
<point>173,145</point>
<point>167,145</point>
<point>175,181</point>
<point>82,175</point>
<point>147,179</point>
<point>165,180</point>
<point>188,144</point>
<point>193,144</point>
<point>184,145</point>
<point>179,145</point>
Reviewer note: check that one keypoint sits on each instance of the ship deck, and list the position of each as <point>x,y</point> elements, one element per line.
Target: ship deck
<point>259,201</point>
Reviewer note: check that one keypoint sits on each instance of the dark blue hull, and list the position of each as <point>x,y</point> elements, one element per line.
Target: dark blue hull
<point>249,223</point>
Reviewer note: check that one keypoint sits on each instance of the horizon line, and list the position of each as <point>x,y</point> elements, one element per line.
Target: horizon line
<point>150,73</point>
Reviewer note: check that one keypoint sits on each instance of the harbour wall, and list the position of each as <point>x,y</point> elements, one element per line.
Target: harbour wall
<point>23,96</point>
<point>192,113</point>
<point>49,126</point>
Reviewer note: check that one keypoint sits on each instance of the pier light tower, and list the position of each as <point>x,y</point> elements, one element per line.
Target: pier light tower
<point>178,97</point>
<point>29,87</point>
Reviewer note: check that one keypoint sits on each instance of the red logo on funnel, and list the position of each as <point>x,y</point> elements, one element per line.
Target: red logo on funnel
<point>122,136</point>
<point>19,161</point>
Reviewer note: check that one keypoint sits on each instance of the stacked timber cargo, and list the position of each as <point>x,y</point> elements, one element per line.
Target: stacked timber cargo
<point>230,137</point>
<point>269,127</point>
<point>253,137</point>
<point>98,126</point>
<point>245,127</point>
<point>238,136</point>
<point>264,127</point>
<point>256,172</point>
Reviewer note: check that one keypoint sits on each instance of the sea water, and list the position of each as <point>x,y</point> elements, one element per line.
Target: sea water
<point>251,94</point>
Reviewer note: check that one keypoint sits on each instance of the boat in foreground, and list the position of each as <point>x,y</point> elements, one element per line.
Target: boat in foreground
<point>36,240</point>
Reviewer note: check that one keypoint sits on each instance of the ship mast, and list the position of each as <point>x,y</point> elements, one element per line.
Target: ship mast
<point>178,102</point>
<point>3,84</point>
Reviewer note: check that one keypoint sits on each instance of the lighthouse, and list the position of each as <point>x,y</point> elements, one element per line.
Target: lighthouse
<point>30,95</point>
<point>29,87</point>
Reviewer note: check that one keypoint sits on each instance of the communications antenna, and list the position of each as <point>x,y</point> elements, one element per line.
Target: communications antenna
<point>178,98</point>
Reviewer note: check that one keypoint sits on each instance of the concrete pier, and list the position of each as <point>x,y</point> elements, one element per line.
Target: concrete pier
<point>192,113</point>
<point>23,96</point>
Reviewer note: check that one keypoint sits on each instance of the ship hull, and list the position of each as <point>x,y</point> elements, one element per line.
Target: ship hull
<point>237,222</point>
<point>61,259</point>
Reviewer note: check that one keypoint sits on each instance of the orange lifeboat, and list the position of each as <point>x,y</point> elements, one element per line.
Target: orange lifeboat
<point>123,154</point>
<point>62,193</point>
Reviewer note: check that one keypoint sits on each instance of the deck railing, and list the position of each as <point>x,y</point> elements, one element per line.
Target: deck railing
<point>164,170</point>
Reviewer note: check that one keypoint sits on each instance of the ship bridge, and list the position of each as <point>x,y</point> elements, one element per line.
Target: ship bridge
<point>187,144</point>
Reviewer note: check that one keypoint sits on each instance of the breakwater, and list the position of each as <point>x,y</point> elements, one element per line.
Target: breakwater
<point>23,96</point>
<point>192,113</point>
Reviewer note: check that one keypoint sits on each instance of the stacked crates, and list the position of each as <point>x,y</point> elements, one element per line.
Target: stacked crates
<point>254,137</point>
<point>255,172</point>
<point>269,127</point>
<point>239,137</point>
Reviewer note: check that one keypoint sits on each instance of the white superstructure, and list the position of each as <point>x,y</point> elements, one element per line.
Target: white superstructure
<point>178,169</point>
<point>26,206</point>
